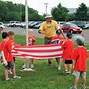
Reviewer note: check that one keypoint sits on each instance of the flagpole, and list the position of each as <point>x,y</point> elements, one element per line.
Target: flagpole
<point>26,18</point>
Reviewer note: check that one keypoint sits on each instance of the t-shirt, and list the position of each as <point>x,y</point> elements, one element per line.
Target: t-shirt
<point>49,28</point>
<point>7,48</point>
<point>80,57</point>
<point>31,40</point>
<point>57,40</point>
<point>68,47</point>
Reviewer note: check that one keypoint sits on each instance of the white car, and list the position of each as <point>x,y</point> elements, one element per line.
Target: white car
<point>86,25</point>
<point>14,24</point>
<point>2,26</point>
<point>23,24</point>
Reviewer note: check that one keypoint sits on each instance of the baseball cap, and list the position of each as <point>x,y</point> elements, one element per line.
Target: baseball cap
<point>79,41</point>
<point>48,16</point>
<point>69,35</point>
<point>58,32</point>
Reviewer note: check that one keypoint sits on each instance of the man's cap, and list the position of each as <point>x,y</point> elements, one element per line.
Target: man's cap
<point>58,32</point>
<point>79,41</point>
<point>69,35</point>
<point>48,16</point>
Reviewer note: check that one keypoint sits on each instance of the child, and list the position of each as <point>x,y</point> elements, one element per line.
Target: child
<point>80,58</point>
<point>11,38</point>
<point>58,39</point>
<point>68,47</point>
<point>7,48</point>
<point>31,41</point>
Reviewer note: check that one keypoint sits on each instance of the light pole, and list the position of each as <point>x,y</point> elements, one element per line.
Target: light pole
<point>46,4</point>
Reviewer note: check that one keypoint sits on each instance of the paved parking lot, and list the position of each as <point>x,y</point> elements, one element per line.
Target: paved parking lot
<point>22,31</point>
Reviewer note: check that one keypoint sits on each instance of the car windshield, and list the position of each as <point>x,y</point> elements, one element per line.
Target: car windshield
<point>73,25</point>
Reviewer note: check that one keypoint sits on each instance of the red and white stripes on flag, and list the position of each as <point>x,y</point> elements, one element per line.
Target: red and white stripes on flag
<point>38,51</point>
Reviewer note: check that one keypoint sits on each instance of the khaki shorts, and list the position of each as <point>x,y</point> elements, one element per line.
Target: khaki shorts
<point>79,74</point>
<point>47,40</point>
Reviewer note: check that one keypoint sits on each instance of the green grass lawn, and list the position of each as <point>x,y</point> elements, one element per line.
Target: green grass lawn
<point>44,76</point>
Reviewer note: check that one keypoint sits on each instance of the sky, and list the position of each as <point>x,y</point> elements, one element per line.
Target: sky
<point>41,7</point>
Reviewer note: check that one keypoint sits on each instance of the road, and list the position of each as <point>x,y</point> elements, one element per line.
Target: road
<point>22,31</point>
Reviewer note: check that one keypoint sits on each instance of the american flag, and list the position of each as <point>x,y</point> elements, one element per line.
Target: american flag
<point>38,51</point>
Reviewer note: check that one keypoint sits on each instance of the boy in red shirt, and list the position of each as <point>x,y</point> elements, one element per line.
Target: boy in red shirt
<point>80,58</point>
<point>7,47</point>
<point>31,41</point>
<point>58,39</point>
<point>68,47</point>
<point>11,38</point>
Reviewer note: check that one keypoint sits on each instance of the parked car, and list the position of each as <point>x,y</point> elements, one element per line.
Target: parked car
<point>37,26</point>
<point>70,27</point>
<point>31,25</point>
<point>61,23</point>
<point>23,24</point>
<point>80,24</point>
<point>14,24</point>
<point>1,26</point>
<point>87,25</point>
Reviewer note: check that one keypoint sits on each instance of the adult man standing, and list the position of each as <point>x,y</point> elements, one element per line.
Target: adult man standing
<point>48,29</point>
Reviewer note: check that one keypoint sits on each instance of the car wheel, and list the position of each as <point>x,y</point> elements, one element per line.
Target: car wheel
<point>14,25</point>
<point>80,32</point>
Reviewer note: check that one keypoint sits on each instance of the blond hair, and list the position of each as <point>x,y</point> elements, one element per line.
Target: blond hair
<point>30,30</point>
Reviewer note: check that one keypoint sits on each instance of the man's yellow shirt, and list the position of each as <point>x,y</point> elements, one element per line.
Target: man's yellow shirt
<point>49,28</point>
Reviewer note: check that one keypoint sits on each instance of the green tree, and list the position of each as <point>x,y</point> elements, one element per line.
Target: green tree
<point>81,12</point>
<point>70,17</point>
<point>59,12</point>
<point>3,10</point>
<point>10,11</point>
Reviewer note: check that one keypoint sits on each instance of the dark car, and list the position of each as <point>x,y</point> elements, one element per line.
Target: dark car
<point>80,24</point>
<point>31,25</point>
<point>37,26</point>
<point>70,27</point>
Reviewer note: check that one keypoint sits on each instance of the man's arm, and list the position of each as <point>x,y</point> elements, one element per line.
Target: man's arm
<point>41,29</point>
<point>62,33</point>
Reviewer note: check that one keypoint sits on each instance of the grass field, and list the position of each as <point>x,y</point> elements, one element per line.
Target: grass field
<point>44,76</point>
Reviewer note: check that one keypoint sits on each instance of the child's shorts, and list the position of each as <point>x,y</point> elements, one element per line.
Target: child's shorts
<point>79,74</point>
<point>68,61</point>
<point>10,65</point>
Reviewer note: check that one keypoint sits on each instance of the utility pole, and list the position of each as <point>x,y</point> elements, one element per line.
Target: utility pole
<point>46,4</point>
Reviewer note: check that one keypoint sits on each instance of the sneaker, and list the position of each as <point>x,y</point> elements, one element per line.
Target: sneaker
<point>24,66</point>
<point>32,66</point>
<point>59,68</point>
<point>83,87</point>
<point>73,87</point>
<point>68,72</point>
<point>8,79</point>
<point>16,77</point>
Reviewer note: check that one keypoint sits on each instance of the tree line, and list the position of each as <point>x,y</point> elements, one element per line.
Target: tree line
<point>10,11</point>
<point>62,13</point>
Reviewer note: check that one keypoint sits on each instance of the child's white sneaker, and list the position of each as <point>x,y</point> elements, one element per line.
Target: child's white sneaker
<point>16,77</point>
<point>59,68</point>
<point>24,66</point>
<point>32,66</point>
